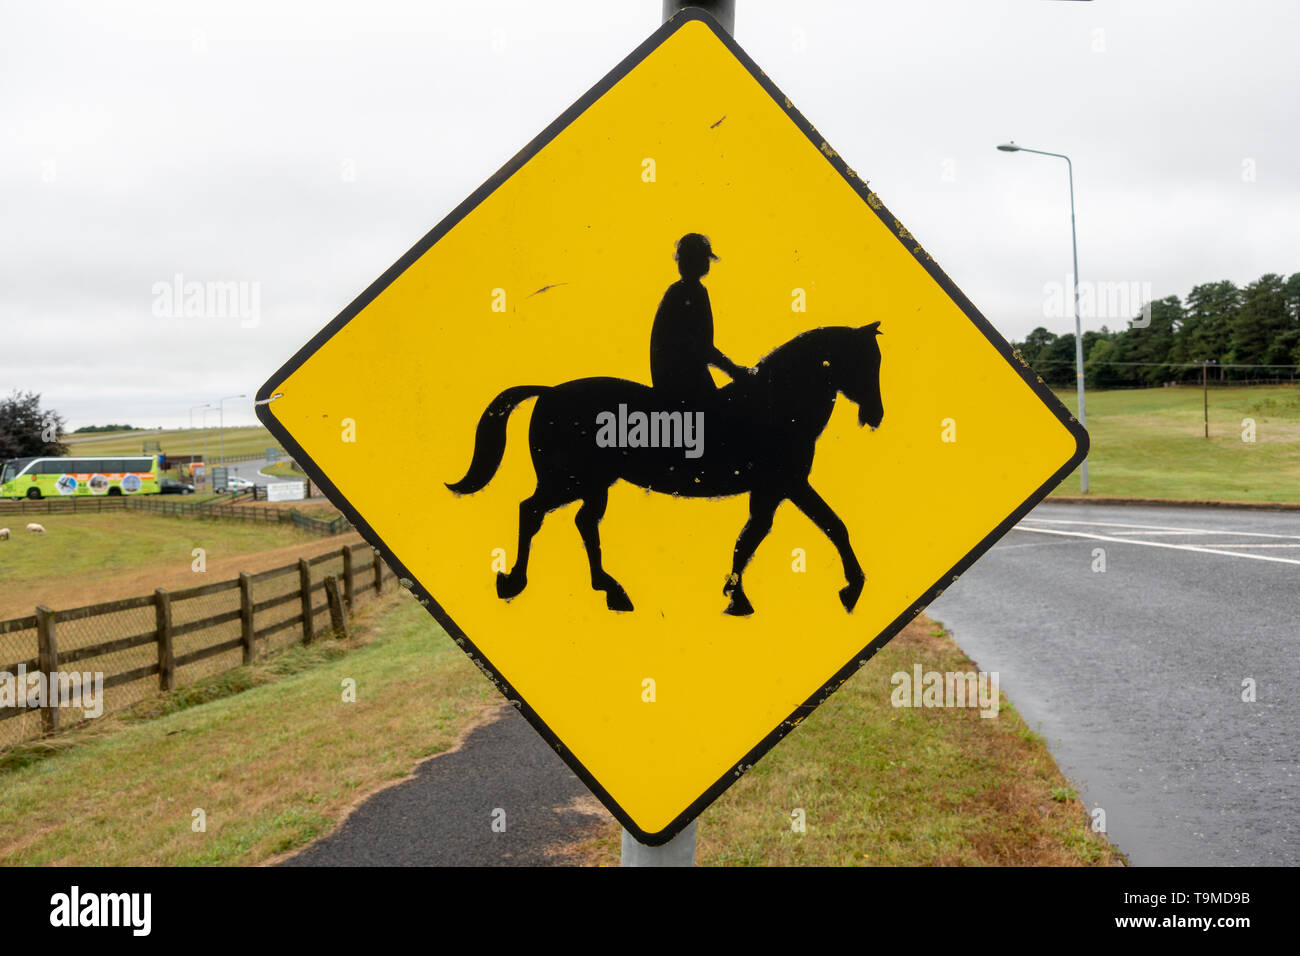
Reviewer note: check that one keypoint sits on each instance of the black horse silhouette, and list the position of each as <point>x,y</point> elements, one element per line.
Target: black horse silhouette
<point>762,435</point>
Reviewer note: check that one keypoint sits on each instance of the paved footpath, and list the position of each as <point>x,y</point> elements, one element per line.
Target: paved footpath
<point>443,815</point>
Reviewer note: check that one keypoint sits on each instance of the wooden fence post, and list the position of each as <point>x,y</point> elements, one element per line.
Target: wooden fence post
<point>338,620</point>
<point>166,657</point>
<point>379,574</point>
<point>304,582</point>
<point>347,577</point>
<point>48,653</point>
<point>246,614</point>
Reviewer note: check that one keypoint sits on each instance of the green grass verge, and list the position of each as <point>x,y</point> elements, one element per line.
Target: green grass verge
<point>885,786</point>
<point>890,786</point>
<point>270,753</point>
<point>284,469</point>
<point>1150,443</point>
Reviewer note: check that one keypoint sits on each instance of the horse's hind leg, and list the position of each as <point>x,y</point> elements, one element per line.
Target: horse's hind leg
<point>588,522</point>
<point>762,508</point>
<point>532,511</point>
<point>821,514</point>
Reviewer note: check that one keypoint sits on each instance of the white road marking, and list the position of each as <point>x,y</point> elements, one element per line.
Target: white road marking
<point>1156,527</point>
<point>1251,545</point>
<point>1161,532</point>
<point>1044,544</point>
<point>1160,544</point>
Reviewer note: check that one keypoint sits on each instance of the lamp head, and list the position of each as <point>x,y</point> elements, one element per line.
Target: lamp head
<point>1009,147</point>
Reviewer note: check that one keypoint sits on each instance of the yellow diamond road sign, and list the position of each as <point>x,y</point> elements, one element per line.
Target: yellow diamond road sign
<point>671,425</point>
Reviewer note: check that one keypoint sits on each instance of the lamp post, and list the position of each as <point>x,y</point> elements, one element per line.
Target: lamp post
<point>204,418</point>
<point>221,425</point>
<point>1078,328</point>
<point>193,408</point>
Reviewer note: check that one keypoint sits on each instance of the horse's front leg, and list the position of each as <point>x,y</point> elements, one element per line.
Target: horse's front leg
<point>588,522</point>
<point>532,511</point>
<point>762,508</point>
<point>816,508</point>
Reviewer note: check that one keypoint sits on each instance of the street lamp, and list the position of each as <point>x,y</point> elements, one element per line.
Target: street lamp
<point>221,439</point>
<point>192,410</point>
<point>204,418</point>
<point>1078,328</point>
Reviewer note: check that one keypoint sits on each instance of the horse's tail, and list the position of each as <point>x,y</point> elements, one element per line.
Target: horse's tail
<point>490,438</point>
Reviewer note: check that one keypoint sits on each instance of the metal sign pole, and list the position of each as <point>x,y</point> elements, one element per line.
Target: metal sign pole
<point>680,850</point>
<point>724,11</point>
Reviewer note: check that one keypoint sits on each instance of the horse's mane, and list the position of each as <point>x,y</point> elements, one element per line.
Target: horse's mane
<point>805,346</point>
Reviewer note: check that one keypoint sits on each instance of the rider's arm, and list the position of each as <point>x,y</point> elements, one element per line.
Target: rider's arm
<point>727,365</point>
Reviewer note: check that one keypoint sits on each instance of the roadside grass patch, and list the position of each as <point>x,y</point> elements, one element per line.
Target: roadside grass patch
<point>1149,443</point>
<point>273,757</point>
<point>886,786</point>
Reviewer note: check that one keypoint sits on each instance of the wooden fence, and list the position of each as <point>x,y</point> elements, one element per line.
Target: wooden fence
<point>157,635</point>
<point>161,504</point>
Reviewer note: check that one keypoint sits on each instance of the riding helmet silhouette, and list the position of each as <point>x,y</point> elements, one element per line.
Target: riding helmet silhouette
<point>694,255</point>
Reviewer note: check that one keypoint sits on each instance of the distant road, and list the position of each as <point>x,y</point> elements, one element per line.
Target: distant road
<point>1134,674</point>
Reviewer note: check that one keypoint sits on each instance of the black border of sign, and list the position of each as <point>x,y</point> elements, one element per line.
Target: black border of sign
<point>267,391</point>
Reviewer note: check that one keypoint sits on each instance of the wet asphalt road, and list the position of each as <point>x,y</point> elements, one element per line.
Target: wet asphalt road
<point>444,815</point>
<point>1134,674</point>
<point>249,470</point>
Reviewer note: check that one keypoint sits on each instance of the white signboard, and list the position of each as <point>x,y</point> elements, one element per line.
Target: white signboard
<point>285,491</point>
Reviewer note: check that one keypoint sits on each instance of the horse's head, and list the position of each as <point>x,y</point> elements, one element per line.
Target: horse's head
<point>804,376</point>
<point>858,374</point>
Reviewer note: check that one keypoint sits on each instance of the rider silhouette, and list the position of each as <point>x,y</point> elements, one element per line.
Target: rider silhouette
<point>681,342</point>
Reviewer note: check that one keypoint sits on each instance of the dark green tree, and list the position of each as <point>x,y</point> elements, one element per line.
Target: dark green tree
<point>26,431</point>
<point>1258,334</point>
<point>1210,312</point>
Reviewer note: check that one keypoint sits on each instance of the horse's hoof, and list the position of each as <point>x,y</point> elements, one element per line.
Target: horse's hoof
<point>509,586</point>
<point>616,599</point>
<point>739,606</point>
<point>849,594</point>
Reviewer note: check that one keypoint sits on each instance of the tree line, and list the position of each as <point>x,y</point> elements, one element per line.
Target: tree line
<point>96,429</point>
<point>1239,331</point>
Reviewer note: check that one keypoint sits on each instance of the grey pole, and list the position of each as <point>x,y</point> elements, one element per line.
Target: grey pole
<point>221,427</point>
<point>1078,327</point>
<point>724,11</point>
<point>680,850</point>
<point>206,470</point>
<point>192,410</point>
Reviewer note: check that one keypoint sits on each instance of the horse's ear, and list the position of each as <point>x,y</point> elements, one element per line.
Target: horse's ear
<point>873,328</point>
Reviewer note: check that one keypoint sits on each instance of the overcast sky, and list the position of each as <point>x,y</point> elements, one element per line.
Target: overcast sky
<point>304,147</point>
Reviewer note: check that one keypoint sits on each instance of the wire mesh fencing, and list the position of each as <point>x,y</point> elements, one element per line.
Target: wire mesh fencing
<point>19,655</point>
<point>61,667</point>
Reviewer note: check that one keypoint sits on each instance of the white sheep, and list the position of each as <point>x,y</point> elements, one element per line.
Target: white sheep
<point>35,528</point>
<point>4,534</point>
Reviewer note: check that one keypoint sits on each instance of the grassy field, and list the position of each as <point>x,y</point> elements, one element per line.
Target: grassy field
<point>284,469</point>
<point>1149,443</point>
<point>272,767</point>
<point>87,558</point>
<point>283,761</point>
<point>246,440</point>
